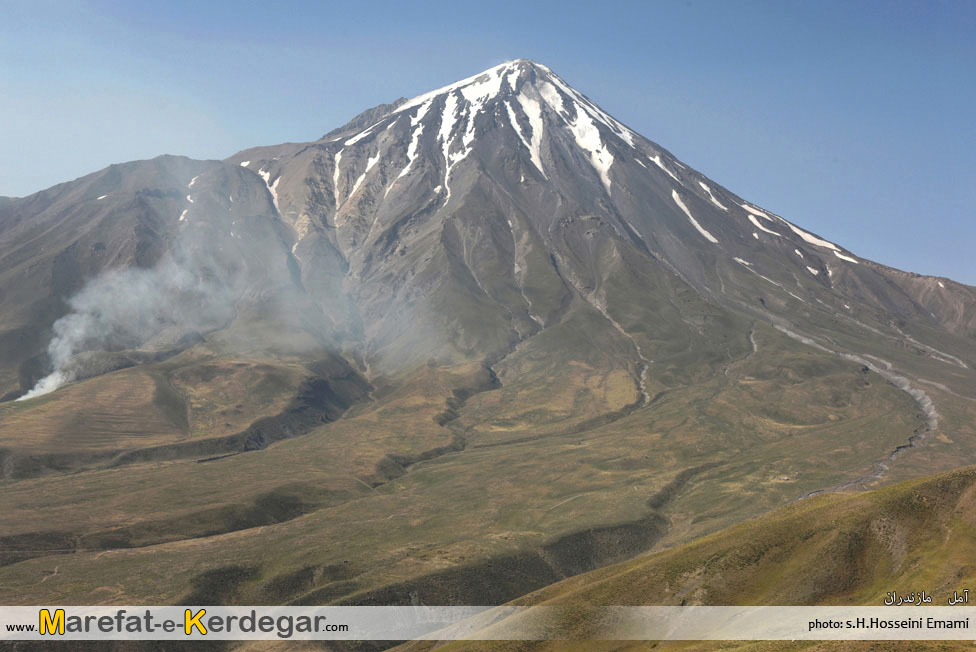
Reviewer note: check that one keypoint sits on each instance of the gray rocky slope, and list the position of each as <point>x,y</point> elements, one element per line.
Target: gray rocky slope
<point>462,223</point>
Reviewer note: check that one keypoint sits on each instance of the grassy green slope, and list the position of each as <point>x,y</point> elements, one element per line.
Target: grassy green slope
<point>833,549</point>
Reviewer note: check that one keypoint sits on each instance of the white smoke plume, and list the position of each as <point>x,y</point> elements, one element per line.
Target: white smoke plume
<point>124,308</point>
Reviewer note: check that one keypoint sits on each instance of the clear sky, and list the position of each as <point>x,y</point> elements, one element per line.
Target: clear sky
<point>854,119</point>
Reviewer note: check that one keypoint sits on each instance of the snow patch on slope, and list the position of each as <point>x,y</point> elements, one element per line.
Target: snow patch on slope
<point>484,87</point>
<point>694,222</point>
<point>657,161</point>
<point>807,237</point>
<point>272,187</point>
<point>759,226</point>
<point>355,139</point>
<point>418,130</point>
<point>551,97</point>
<point>369,166</point>
<point>512,78</point>
<point>591,109</point>
<point>448,118</point>
<point>583,125</point>
<point>335,175</point>
<point>533,112</point>
<point>587,136</point>
<point>712,197</point>
<point>483,80</point>
<point>756,211</point>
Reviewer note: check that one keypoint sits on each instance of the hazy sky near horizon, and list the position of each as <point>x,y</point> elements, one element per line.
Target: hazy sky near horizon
<point>854,119</point>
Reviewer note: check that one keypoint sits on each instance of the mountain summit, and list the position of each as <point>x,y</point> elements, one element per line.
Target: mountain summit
<point>516,185</point>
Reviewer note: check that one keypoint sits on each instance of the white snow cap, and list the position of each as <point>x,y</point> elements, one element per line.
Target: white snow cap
<point>514,79</point>
<point>534,100</point>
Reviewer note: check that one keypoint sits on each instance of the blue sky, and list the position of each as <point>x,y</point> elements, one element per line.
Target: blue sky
<point>852,119</point>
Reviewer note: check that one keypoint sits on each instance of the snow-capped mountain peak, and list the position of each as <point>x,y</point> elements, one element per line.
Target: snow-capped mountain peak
<point>520,139</point>
<point>522,97</point>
